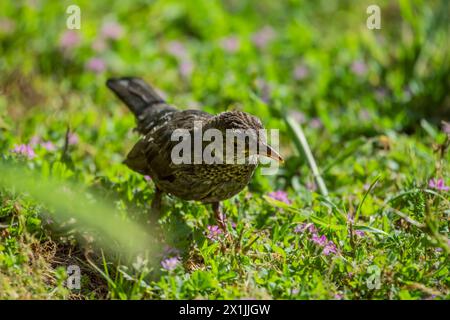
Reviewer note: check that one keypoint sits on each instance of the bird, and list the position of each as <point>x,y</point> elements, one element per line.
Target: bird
<point>157,120</point>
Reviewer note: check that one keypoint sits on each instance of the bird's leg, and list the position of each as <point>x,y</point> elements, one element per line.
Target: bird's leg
<point>156,205</point>
<point>220,217</point>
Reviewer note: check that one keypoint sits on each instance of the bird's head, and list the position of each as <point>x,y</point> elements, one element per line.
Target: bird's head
<point>243,133</point>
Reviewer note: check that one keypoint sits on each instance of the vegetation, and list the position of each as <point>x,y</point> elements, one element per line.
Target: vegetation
<point>370,104</point>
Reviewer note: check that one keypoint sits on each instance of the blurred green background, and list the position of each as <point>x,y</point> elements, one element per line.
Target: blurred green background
<point>265,57</point>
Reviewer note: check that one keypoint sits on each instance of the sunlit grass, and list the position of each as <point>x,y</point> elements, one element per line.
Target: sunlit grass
<point>67,201</point>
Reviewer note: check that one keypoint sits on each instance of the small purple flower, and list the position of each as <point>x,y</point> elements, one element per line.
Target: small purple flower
<point>186,67</point>
<point>360,233</point>
<point>330,247</point>
<point>230,44</point>
<point>263,37</point>
<point>438,184</point>
<point>305,227</point>
<point>177,49</point>
<point>24,150</point>
<point>73,138</point>
<point>299,228</point>
<point>316,123</point>
<point>96,65</point>
<point>338,296</point>
<point>359,68</point>
<point>35,140</point>
<point>112,30</point>
<point>300,72</point>
<point>312,228</point>
<point>295,291</point>
<point>350,218</point>
<point>321,241</point>
<point>185,64</point>
<point>280,195</point>
<point>170,264</point>
<point>148,178</point>
<point>214,232</point>
<point>48,145</point>
<point>69,39</point>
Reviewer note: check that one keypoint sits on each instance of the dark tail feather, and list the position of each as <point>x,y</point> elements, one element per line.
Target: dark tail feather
<point>148,107</point>
<point>135,93</point>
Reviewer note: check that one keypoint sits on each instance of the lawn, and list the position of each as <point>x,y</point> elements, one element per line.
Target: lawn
<point>372,105</point>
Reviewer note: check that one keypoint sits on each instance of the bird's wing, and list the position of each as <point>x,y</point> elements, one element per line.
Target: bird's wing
<point>152,153</point>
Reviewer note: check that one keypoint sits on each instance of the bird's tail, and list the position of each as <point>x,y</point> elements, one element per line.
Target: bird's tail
<point>135,93</point>
<point>141,99</point>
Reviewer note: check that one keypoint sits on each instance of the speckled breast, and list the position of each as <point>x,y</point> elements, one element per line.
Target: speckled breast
<point>207,183</point>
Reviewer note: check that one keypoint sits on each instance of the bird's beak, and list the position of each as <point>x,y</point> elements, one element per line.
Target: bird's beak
<point>271,153</point>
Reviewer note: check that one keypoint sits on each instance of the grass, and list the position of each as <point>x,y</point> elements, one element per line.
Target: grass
<point>356,217</point>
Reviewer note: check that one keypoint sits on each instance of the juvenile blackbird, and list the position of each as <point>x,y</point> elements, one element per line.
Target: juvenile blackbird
<point>157,120</point>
